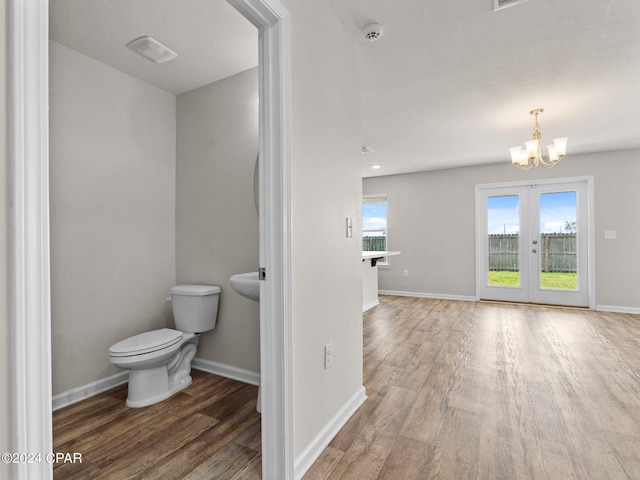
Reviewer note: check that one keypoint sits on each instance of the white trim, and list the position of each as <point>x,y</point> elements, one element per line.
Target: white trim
<point>591,251</point>
<point>465,298</point>
<point>30,310</point>
<point>616,309</point>
<point>441,296</point>
<point>368,196</point>
<point>591,245</point>
<point>330,430</point>
<point>83,392</point>
<point>274,24</point>
<point>537,181</point>
<point>370,305</point>
<point>227,371</point>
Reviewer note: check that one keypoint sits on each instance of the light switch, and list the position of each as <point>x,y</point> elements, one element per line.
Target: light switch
<point>610,234</point>
<point>349,227</point>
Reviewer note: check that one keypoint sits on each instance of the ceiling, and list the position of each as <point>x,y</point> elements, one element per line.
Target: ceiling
<point>212,40</point>
<point>448,84</point>
<point>451,83</point>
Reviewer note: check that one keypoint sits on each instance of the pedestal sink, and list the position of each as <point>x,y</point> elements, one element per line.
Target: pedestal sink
<point>247,285</point>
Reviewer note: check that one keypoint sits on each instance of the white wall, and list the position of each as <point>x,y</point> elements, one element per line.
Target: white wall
<point>5,357</point>
<point>431,219</point>
<point>327,284</point>
<point>112,181</point>
<point>216,217</point>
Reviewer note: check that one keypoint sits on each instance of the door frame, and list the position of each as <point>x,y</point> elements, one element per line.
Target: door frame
<point>590,229</point>
<point>29,277</point>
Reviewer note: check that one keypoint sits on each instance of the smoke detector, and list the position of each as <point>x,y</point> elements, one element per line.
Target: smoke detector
<point>372,32</point>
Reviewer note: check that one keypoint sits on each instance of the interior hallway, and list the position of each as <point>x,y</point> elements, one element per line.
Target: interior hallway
<point>466,390</point>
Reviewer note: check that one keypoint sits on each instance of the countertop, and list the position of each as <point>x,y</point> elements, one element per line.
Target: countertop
<point>386,253</point>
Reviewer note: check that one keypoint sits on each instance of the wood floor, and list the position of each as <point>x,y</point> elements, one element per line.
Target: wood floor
<point>210,430</point>
<point>464,390</point>
<point>457,390</point>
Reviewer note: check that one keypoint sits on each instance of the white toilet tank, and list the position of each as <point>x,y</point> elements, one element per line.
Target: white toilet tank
<point>195,307</point>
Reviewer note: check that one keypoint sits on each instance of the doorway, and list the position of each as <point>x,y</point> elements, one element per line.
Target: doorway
<point>27,113</point>
<point>533,242</point>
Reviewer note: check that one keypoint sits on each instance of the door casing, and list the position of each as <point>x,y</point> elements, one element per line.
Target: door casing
<point>590,235</point>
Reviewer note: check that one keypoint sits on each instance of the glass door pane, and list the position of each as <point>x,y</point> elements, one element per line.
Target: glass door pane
<point>557,241</point>
<point>532,242</point>
<point>503,241</point>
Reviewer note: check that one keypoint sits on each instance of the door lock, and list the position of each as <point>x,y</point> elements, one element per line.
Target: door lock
<point>535,242</point>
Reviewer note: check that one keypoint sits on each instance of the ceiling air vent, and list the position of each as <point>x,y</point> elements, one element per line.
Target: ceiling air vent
<point>498,4</point>
<point>366,149</point>
<point>152,49</point>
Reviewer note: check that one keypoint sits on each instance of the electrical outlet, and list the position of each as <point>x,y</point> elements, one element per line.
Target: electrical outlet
<point>328,355</point>
<point>405,273</point>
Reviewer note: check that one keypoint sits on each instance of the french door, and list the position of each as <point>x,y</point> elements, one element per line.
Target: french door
<point>533,243</point>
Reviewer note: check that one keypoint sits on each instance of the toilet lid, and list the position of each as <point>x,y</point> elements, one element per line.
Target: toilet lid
<point>146,342</point>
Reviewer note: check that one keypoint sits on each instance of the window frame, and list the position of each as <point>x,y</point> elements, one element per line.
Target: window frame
<point>377,199</point>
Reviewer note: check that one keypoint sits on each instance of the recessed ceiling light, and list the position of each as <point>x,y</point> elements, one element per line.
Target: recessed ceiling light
<point>151,49</point>
<point>376,166</point>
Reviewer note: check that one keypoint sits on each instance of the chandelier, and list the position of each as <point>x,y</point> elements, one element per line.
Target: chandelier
<point>531,156</point>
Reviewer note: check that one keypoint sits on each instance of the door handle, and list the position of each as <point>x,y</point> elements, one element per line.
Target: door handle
<point>534,250</point>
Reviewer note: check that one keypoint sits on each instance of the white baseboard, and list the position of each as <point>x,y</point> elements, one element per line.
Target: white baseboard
<point>330,430</point>
<point>615,309</point>
<point>370,305</point>
<point>83,392</point>
<point>228,371</point>
<point>601,308</point>
<point>464,298</point>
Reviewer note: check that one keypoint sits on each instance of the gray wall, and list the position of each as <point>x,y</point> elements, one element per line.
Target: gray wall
<point>327,187</point>
<point>216,218</point>
<point>112,180</point>
<point>5,357</point>
<point>432,215</point>
<point>116,188</point>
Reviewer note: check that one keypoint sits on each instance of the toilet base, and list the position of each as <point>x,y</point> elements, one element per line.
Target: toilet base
<point>152,385</point>
<point>147,387</point>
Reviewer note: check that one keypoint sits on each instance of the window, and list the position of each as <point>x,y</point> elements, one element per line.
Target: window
<point>374,224</point>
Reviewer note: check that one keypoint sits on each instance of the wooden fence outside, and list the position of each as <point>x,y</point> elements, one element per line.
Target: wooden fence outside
<point>557,252</point>
<point>374,244</point>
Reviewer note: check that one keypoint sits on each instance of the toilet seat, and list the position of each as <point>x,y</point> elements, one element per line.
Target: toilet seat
<point>146,343</point>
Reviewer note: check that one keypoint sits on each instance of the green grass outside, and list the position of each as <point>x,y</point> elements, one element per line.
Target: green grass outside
<point>565,281</point>
<point>504,279</point>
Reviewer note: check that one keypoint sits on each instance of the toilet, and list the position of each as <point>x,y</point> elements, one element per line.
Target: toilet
<point>160,361</point>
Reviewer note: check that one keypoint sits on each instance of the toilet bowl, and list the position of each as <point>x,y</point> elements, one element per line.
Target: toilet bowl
<point>159,361</point>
